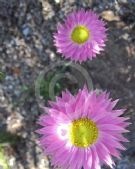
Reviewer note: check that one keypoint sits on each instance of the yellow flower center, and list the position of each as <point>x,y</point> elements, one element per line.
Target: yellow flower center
<point>80,34</point>
<point>83,132</point>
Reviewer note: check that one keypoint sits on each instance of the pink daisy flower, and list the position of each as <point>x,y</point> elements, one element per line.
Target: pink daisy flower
<point>83,130</point>
<point>81,37</point>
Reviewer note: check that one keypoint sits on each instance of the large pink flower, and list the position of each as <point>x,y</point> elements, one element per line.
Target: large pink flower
<point>83,130</point>
<point>81,37</point>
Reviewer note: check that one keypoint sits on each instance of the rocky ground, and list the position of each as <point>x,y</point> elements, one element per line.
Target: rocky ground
<point>26,50</point>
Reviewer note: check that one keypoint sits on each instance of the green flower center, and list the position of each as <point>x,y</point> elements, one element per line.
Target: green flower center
<point>83,132</point>
<point>80,34</point>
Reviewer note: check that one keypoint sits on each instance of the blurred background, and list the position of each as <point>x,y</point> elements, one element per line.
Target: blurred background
<point>26,50</point>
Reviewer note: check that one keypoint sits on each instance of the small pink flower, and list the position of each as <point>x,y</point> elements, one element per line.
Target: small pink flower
<point>83,130</point>
<point>81,37</point>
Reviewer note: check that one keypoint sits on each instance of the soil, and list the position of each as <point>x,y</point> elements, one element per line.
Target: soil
<point>27,50</point>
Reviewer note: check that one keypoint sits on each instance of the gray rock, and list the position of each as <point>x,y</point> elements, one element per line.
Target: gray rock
<point>26,31</point>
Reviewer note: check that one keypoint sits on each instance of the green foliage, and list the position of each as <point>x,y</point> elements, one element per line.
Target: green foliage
<point>3,161</point>
<point>59,80</point>
<point>2,76</point>
<point>25,88</point>
<point>6,137</point>
<point>44,88</point>
<point>60,85</point>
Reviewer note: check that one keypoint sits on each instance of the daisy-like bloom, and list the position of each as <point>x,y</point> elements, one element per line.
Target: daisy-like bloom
<point>83,130</point>
<point>81,37</point>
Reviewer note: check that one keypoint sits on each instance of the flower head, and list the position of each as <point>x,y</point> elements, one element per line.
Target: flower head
<point>81,37</point>
<point>83,130</point>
